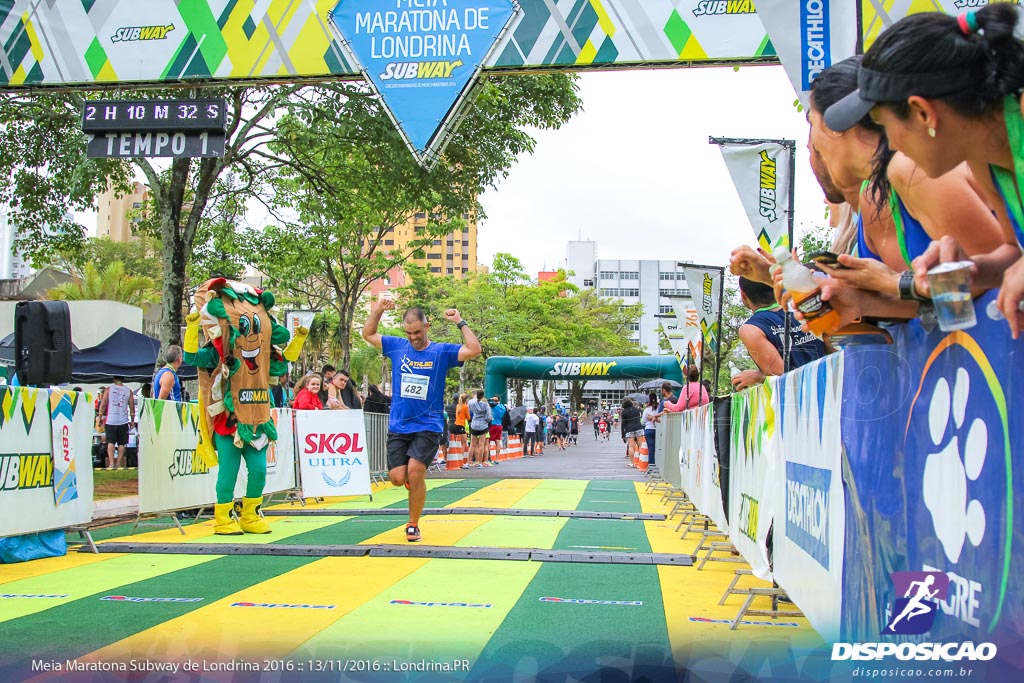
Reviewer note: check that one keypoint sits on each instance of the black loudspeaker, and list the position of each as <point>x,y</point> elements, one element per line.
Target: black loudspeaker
<point>42,342</point>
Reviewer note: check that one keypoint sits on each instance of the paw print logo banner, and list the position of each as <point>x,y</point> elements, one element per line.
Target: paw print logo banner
<point>934,480</point>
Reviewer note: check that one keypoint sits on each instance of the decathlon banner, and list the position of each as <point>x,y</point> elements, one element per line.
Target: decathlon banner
<point>296,319</point>
<point>810,36</point>
<point>698,447</point>
<point>28,496</point>
<point>876,16</point>
<point>280,457</point>
<point>333,460</point>
<point>705,283</point>
<point>947,412</point>
<point>688,323</point>
<point>171,477</point>
<point>810,523</point>
<point>761,174</point>
<point>752,487</point>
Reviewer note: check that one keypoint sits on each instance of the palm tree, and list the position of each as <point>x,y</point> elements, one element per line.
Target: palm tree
<point>112,284</point>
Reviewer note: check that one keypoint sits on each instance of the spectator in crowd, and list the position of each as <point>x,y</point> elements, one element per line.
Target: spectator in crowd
<point>327,373</point>
<point>307,393</point>
<point>377,401</point>
<point>118,407</point>
<point>168,386</point>
<point>650,421</point>
<point>498,412</point>
<point>763,333</point>
<point>479,429</point>
<point>530,427</point>
<point>693,393</point>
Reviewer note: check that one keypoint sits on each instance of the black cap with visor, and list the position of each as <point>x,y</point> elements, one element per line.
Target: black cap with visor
<point>875,87</point>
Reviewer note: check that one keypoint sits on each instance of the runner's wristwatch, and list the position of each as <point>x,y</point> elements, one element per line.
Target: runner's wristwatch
<point>462,323</point>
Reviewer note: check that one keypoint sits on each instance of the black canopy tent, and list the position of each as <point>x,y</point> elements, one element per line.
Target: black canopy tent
<point>126,354</point>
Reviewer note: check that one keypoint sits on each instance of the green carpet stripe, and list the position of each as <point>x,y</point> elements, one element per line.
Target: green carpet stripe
<point>515,532</point>
<point>556,641</point>
<point>352,531</point>
<point>610,496</point>
<point>284,530</point>
<point>435,633</point>
<point>554,495</point>
<point>603,535</point>
<point>92,579</point>
<point>81,626</point>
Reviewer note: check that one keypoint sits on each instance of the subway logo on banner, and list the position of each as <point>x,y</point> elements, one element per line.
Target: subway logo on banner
<point>186,464</point>
<point>710,7</point>
<point>131,33</point>
<point>807,507</point>
<point>581,369</point>
<point>768,178</point>
<point>396,71</point>
<point>26,471</point>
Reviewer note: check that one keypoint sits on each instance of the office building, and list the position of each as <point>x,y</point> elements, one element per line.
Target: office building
<point>115,215</point>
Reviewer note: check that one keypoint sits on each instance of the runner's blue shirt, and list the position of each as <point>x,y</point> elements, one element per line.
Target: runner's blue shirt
<point>417,380</point>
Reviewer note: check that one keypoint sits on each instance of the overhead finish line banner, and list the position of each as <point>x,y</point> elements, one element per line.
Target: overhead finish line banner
<point>126,41</point>
<point>876,16</point>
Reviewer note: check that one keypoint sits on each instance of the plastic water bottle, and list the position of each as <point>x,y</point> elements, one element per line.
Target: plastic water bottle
<point>733,370</point>
<point>800,282</point>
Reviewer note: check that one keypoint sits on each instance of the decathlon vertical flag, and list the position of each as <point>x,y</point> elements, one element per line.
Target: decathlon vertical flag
<point>761,174</point>
<point>333,460</point>
<point>809,36</point>
<point>704,283</point>
<point>296,319</point>
<point>65,479</point>
<point>689,325</point>
<point>423,59</point>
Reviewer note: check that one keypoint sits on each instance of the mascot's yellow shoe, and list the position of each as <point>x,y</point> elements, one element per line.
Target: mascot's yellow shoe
<point>223,524</point>
<point>252,520</point>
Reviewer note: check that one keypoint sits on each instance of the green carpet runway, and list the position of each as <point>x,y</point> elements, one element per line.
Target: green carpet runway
<point>391,618</point>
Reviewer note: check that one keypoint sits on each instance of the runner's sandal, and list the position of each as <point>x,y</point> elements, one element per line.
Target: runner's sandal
<point>412,534</point>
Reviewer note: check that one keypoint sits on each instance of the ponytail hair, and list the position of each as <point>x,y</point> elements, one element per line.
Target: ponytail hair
<point>931,43</point>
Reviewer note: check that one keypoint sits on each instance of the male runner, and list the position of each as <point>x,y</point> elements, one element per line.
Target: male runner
<point>418,369</point>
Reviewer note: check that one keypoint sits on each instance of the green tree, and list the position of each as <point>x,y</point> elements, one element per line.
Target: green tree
<point>353,182</point>
<point>112,283</point>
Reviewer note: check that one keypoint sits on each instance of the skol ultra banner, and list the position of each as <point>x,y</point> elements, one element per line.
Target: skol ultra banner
<point>762,175</point>
<point>810,523</point>
<point>688,323</point>
<point>296,319</point>
<point>931,430</point>
<point>109,41</point>
<point>752,488</point>
<point>280,457</point>
<point>171,476</point>
<point>27,471</point>
<point>877,15</point>
<point>333,460</point>
<point>705,283</point>
<point>810,36</point>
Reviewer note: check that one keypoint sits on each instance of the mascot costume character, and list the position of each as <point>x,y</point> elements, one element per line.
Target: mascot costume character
<point>242,347</point>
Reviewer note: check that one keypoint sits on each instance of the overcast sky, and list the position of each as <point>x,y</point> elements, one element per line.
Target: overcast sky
<point>635,173</point>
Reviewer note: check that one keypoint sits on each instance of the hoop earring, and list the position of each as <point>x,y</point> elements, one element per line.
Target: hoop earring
<point>931,132</point>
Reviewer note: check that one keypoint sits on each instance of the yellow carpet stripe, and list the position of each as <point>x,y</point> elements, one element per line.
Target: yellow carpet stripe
<point>92,579</point>
<point>411,633</point>
<point>219,632</point>
<point>47,565</point>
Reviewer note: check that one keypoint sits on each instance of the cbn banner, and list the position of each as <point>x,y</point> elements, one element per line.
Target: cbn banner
<point>810,36</point>
<point>754,459</point>
<point>705,283</point>
<point>27,458</point>
<point>931,429</point>
<point>762,175</point>
<point>110,41</point>
<point>171,477</point>
<point>688,323</point>
<point>698,447</point>
<point>811,523</point>
<point>333,460</point>
<point>877,16</point>
<point>280,457</point>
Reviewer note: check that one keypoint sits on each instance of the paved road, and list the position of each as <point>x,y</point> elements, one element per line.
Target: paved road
<point>589,460</point>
